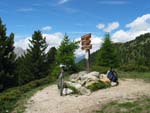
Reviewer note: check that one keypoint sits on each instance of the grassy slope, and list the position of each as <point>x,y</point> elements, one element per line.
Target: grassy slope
<point>135,75</point>
<point>140,105</point>
<point>17,96</point>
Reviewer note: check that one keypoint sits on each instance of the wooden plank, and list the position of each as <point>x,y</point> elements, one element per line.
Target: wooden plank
<point>86,47</point>
<point>86,42</point>
<point>86,37</point>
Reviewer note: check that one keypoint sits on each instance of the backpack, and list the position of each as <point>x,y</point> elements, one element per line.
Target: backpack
<point>112,75</point>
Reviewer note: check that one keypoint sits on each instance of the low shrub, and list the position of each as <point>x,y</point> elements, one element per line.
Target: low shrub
<point>131,67</point>
<point>100,69</point>
<point>98,85</point>
<point>75,91</point>
<point>9,98</point>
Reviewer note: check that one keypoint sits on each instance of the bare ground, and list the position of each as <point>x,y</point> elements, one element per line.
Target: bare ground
<point>48,100</point>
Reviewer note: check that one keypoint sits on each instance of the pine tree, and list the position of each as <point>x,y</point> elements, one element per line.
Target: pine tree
<point>34,64</point>
<point>51,58</point>
<point>107,56</point>
<point>7,59</point>
<point>65,54</point>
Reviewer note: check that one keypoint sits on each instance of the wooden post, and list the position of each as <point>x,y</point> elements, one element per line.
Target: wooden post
<point>86,45</point>
<point>88,61</point>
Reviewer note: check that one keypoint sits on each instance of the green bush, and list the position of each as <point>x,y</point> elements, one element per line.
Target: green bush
<point>100,69</point>
<point>9,98</point>
<point>98,85</point>
<point>131,67</point>
<point>75,91</point>
<point>55,73</point>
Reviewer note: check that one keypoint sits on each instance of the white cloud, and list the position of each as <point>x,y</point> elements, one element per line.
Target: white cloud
<point>47,28</point>
<point>110,27</point>
<point>120,36</point>
<point>23,43</point>
<point>141,23</point>
<point>63,1</point>
<point>100,26</point>
<point>54,40</point>
<point>137,27</point>
<point>51,39</point>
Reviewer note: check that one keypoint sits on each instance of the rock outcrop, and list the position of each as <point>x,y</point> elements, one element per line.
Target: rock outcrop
<point>82,82</point>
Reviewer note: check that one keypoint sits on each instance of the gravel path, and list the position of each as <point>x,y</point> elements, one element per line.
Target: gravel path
<point>49,101</point>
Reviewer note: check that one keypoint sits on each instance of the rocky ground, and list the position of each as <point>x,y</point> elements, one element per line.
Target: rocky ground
<point>48,100</point>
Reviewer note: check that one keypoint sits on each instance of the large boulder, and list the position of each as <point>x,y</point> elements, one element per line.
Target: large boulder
<point>75,85</point>
<point>89,77</point>
<point>82,73</point>
<point>84,91</point>
<point>77,76</point>
<point>74,76</point>
<point>95,73</point>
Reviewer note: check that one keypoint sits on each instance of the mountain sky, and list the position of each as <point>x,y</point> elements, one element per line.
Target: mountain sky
<point>123,19</point>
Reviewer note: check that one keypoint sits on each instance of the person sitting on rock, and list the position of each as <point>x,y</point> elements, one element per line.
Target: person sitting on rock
<point>113,77</point>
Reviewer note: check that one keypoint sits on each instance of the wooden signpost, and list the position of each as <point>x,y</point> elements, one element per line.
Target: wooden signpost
<point>86,45</point>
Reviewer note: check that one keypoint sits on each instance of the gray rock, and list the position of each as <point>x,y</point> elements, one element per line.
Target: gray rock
<point>84,91</point>
<point>113,83</point>
<point>95,73</point>
<point>82,73</point>
<point>67,91</point>
<point>89,77</point>
<point>103,76</point>
<point>75,85</point>
<point>74,76</point>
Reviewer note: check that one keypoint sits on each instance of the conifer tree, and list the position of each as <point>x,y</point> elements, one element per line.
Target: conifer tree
<point>34,64</point>
<point>65,54</point>
<point>51,58</point>
<point>107,56</point>
<point>7,58</point>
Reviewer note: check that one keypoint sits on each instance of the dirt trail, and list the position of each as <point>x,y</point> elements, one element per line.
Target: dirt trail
<point>49,101</point>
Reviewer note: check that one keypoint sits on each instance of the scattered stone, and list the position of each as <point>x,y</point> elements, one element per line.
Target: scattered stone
<point>113,83</point>
<point>67,91</point>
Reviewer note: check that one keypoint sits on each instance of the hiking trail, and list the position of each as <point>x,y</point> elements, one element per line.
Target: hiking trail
<point>48,100</point>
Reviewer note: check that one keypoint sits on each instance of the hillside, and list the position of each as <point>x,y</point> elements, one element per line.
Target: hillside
<point>135,52</point>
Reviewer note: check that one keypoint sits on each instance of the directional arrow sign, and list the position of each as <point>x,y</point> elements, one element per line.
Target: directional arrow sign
<point>87,47</point>
<point>86,42</point>
<point>86,37</point>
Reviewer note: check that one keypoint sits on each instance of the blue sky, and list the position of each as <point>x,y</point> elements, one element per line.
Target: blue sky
<point>75,17</point>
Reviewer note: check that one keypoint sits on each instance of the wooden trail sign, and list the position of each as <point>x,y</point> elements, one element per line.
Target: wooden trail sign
<point>86,45</point>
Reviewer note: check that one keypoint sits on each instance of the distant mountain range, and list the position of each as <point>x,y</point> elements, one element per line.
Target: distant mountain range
<point>19,51</point>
